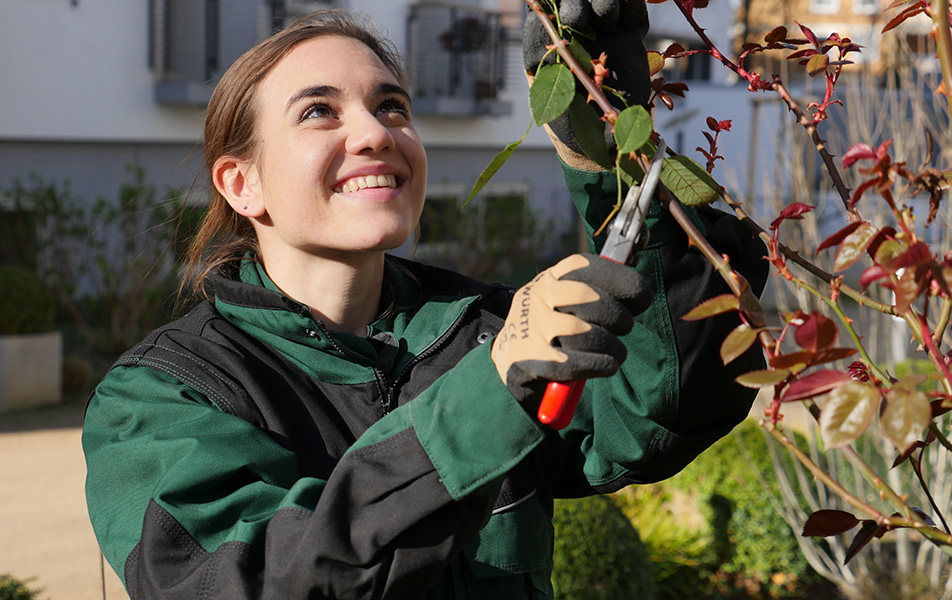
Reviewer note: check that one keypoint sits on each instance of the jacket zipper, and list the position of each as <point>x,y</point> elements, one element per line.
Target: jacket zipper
<point>386,385</point>
<point>431,349</point>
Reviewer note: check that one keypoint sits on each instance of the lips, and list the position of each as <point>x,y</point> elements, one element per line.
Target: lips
<point>354,184</point>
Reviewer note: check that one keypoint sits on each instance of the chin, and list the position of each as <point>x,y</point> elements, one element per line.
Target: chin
<point>386,242</point>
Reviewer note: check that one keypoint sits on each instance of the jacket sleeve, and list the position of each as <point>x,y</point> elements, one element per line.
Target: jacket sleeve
<point>188,501</point>
<point>673,397</point>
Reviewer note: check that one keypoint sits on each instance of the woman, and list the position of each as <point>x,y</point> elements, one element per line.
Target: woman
<point>337,423</point>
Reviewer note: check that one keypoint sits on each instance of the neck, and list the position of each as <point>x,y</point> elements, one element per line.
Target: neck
<point>344,293</point>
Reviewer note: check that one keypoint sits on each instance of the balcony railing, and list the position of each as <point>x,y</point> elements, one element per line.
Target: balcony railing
<point>456,56</point>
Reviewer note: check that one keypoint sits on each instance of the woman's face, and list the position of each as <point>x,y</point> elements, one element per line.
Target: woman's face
<point>339,165</point>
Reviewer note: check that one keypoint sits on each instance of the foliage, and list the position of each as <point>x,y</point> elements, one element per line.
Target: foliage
<point>714,527</point>
<point>806,355</point>
<point>110,262</point>
<point>12,588</point>
<point>598,554</point>
<point>864,411</point>
<point>27,305</point>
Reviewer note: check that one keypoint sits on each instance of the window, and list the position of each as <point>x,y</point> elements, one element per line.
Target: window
<point>192,42</point>
<point>696,67</point>
<point>865,7</point>
<point>825,7</point>
<point>285,12</point>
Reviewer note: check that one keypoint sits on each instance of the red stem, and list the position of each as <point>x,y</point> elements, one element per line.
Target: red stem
<point>937,357</point>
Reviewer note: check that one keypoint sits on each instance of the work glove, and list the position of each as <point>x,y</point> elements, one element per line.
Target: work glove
<point>563,325</point>
<point>619,28</point>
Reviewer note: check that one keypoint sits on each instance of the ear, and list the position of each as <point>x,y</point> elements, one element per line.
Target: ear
<point>238,182</point>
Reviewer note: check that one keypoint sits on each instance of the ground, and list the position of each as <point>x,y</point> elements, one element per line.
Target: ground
<point>44,530</point>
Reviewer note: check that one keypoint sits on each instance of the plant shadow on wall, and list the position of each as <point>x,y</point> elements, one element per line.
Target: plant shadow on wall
<point>113,263</point>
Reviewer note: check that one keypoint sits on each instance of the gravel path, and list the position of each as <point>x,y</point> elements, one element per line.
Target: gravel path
<point>44,530</point>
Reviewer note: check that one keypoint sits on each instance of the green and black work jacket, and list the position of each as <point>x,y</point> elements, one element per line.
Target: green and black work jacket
<point>245,451</point>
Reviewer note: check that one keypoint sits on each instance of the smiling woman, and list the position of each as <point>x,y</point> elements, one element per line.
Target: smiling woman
<point>326,130</point>
<point>334,422</point>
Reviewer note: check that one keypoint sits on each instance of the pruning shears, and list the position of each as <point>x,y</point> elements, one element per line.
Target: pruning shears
<point>624,238</point>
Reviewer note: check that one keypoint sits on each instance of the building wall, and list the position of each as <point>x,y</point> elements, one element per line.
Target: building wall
<point>81,73</point>
<point>76,89</point>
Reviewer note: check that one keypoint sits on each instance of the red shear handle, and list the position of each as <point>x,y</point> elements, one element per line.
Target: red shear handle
<point>559,402</point>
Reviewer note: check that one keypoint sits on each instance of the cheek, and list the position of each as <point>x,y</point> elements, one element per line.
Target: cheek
<point>412,149</point>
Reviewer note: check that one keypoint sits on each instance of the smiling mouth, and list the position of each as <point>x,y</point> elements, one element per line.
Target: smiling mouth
<point>370,181</point>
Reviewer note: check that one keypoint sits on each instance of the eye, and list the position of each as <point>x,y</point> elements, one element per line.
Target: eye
<point>395,107</point>
<point>318,111</point>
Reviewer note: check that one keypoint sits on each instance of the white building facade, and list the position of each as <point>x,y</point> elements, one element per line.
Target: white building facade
<point>88,87</point>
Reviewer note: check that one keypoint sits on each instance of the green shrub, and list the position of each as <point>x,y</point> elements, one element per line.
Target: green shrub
<point>27,305</point>
<point>714,528</point>
<point>598,554</point>
<point>12,588</point>
<point>674,533</point>
<point>113,262</point>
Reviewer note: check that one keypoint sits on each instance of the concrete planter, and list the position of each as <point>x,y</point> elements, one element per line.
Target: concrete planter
<point>31,370</point>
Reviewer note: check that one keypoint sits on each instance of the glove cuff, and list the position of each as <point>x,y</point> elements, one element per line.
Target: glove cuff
<point>570,157</point>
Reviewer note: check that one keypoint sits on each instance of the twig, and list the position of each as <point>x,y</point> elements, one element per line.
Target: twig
<point>808,124</point>
<point>778,86</point>
<point>917,468</point>
<point>820,474</point>
<point>937,359</point>
<point>793,255</point>
<point>940,436</point>
<point>939,331</point>
<point>940,16</point>
<point>847,323</point>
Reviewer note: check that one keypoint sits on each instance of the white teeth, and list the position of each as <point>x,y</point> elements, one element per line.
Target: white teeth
<point>370,181</point>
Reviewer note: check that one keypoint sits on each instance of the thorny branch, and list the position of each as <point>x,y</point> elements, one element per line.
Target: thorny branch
<point>930,340</point>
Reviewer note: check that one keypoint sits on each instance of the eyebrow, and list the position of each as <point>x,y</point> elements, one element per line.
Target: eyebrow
<point>329,91</point>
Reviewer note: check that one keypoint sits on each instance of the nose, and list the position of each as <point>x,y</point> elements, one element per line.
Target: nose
<point>367,134</point>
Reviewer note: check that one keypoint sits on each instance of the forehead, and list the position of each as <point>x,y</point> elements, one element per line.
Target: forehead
<point>326,59</point>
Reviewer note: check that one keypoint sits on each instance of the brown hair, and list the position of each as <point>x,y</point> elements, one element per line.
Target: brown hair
<point>224,236</point>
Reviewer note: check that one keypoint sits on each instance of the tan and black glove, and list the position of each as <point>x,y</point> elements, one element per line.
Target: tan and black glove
<point>564,325</point>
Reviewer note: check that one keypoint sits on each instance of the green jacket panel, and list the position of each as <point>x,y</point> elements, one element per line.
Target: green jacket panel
<point>405,468</point>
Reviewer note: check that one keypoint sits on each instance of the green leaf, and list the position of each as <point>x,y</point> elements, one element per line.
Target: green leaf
<point>632,129</point>
<point>632,173</point>
<point>889,251</point>
<point>582,55</point>
<point>853,246</point>
<point>495,164</point>
<point>551,92</point>
<point>847,413</point>
<point>817,64</point>
<point>688,181</point>
<point>589,131</point>
<point>737,342</point>
<point>906,416</point>
<point>763,378</point>
<point>655,62</point>
<point>713,306</point>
